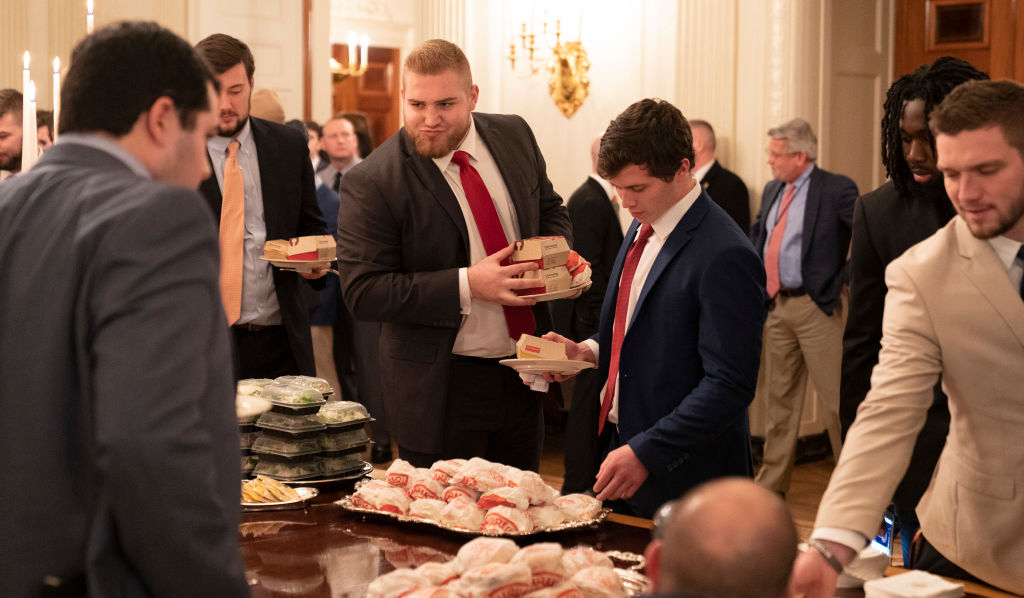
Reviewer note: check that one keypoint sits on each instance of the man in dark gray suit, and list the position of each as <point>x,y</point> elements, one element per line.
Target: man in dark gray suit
<point>413,254</point>
<point>117,418</point>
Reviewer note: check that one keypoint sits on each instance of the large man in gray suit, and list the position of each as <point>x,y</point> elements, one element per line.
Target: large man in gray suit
<point>116,395</point>
<point>412,253</point>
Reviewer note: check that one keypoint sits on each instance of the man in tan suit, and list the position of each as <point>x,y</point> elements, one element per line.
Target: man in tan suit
<point>954,307</point>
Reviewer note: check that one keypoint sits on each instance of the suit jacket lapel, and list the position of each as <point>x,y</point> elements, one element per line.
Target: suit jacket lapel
<point>211,190</point>
<point>507,162</point>
<point>984,269</point>
<point>675,242</point>
<point>811,209</point>
<point>269,159</point>
<point>427,172</point>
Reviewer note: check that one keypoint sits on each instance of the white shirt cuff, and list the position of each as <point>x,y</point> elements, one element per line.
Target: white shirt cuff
<point>465,296</point>
<point>594,347</point>
<point>849,538</point>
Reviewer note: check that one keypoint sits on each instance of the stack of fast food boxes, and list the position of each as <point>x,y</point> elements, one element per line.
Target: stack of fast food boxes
<point>302,437</point>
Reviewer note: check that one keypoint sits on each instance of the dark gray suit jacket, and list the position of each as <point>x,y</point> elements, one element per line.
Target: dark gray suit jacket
<point>117,417</point>
<point>401,241</point>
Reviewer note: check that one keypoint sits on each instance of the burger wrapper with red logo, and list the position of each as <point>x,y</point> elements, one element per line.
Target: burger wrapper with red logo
<point>534,347</point>
<point>321,248</point>
<point>557,266</point>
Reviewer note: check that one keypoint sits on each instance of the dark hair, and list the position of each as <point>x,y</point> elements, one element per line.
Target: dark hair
<point>118,72</point>
<point>223,52</point>
<point>11,101</point>
<point>930,83</point>
<point>300,126</point>
<point>361,126</point>
<point>979,104</point>
<point>650,133</point>
<point>313,126</point>
<point>696,122</point>
<point>44,118</point>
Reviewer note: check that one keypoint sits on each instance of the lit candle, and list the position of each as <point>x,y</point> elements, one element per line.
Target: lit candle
<point>29,143</point>
<point>364,41</point>
<point>352,50</point>
<point>88,17</point>
<point>56,96</point>
<point>25,75</point>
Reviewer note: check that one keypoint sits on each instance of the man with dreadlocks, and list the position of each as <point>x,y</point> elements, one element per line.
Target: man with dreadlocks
<point>886,222</point>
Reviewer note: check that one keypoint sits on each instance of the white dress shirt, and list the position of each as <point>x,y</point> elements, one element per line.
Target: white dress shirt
<point>663,227</point>
<point>259,299</point>
<point>483,332</point>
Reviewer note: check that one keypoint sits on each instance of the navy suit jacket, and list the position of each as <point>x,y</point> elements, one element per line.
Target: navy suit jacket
<point>828,222</point>
<point>290,209</point>
<point>689,359</point>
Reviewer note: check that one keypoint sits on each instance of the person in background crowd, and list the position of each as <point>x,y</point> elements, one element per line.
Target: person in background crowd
<point>593,210</point>
<point>954,308</point>
<point>262,188</point>
<point>687,284</point>
<point>802,233</point>
<point>425,223</point>
<point>316,153</point>
<point>724,187</point>
<point>362,129</point>
<point>118,399</point>
<point>886,222</point>
<point>44,129</point>
<point>728,538</point>
<point>10,130</point>
<point>267,105</point>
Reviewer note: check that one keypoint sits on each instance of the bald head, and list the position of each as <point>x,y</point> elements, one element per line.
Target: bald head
<point>728,538</point>
<point>595,149</point>
<point>704,143</point>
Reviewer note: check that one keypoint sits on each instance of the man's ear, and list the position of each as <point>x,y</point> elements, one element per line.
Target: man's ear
<point>653,556</point>
<point>158,120</point>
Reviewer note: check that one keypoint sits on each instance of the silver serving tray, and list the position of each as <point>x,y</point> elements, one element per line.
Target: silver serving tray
<point>346,503</point>
<point>305,495</point>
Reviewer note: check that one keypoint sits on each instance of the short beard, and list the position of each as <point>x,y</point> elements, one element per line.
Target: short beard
<point>450,144</point>
<point>1015,216</point>
<point>12,164</point>
<point>233,132</point>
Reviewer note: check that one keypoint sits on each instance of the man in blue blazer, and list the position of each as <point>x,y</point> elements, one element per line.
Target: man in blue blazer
<point>680,330</point>
<point>803,234</point>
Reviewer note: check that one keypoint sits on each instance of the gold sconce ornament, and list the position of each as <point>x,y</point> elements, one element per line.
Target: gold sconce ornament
<point>567,65</point>
<point>356,67</point>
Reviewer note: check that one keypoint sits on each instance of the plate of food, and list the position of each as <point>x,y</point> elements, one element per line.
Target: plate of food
<point>498,567</point>
<point>474,498</point>
<point>267,494</point>
<point>569,293</point>
<point>566,367</point>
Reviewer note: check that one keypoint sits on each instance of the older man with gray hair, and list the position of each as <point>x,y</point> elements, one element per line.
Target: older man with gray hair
<point>803,235</point>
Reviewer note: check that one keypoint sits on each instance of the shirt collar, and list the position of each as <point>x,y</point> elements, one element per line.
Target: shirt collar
<point>802,179</point>
<point>668,221</point>
<point>702,172</point>
<point>1006,248</point>
<point>106,145</point>
<point>220,144</point>
<point>604,185</point>
<point>468,145</point>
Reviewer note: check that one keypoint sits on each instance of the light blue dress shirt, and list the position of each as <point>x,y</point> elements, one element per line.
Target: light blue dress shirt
<point>790,253</point>
<point>259,299</point>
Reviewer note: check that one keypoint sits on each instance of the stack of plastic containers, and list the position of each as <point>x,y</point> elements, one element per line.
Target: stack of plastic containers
<point>247,429</point>
<point>303,438</point>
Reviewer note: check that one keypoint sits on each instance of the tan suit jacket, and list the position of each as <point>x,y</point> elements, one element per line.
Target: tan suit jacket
<point>950,309</point>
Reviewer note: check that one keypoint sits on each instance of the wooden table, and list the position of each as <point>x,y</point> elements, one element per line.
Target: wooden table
<point>326,551</point>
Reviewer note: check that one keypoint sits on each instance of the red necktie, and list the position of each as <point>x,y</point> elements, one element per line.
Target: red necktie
<point>771,255</point>
<point>619,327</point>
<point>518,319</point>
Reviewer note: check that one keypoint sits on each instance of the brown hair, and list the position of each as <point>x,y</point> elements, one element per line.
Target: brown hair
<point>223,52</point>
<point>650,133</point>
<point>11,101</point>
<point>978,104</point>
<point>435,56</point>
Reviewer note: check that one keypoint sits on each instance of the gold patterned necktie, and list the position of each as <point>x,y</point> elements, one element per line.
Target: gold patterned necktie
<point>232,235</point>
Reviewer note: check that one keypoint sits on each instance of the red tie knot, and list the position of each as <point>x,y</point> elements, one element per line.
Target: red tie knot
<point>461,158</point>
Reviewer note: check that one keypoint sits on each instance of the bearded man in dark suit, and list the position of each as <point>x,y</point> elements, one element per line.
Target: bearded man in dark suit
<point>271,324</point>
<point>416,218</point>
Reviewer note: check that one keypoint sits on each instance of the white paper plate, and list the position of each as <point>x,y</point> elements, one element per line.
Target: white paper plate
<point>300,265</point>
<point>569,293</point>
<point>305,495</point>
<point>565,367</point>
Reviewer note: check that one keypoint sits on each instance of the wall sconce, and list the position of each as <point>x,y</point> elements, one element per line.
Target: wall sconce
<point>354,68</point>
<point>568,84</point>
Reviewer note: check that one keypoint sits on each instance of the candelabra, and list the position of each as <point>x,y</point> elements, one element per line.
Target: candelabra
<point>566,62</point>
<point>355,67</point>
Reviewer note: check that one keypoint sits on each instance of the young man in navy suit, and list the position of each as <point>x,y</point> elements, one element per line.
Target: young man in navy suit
<point>680,329</point>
